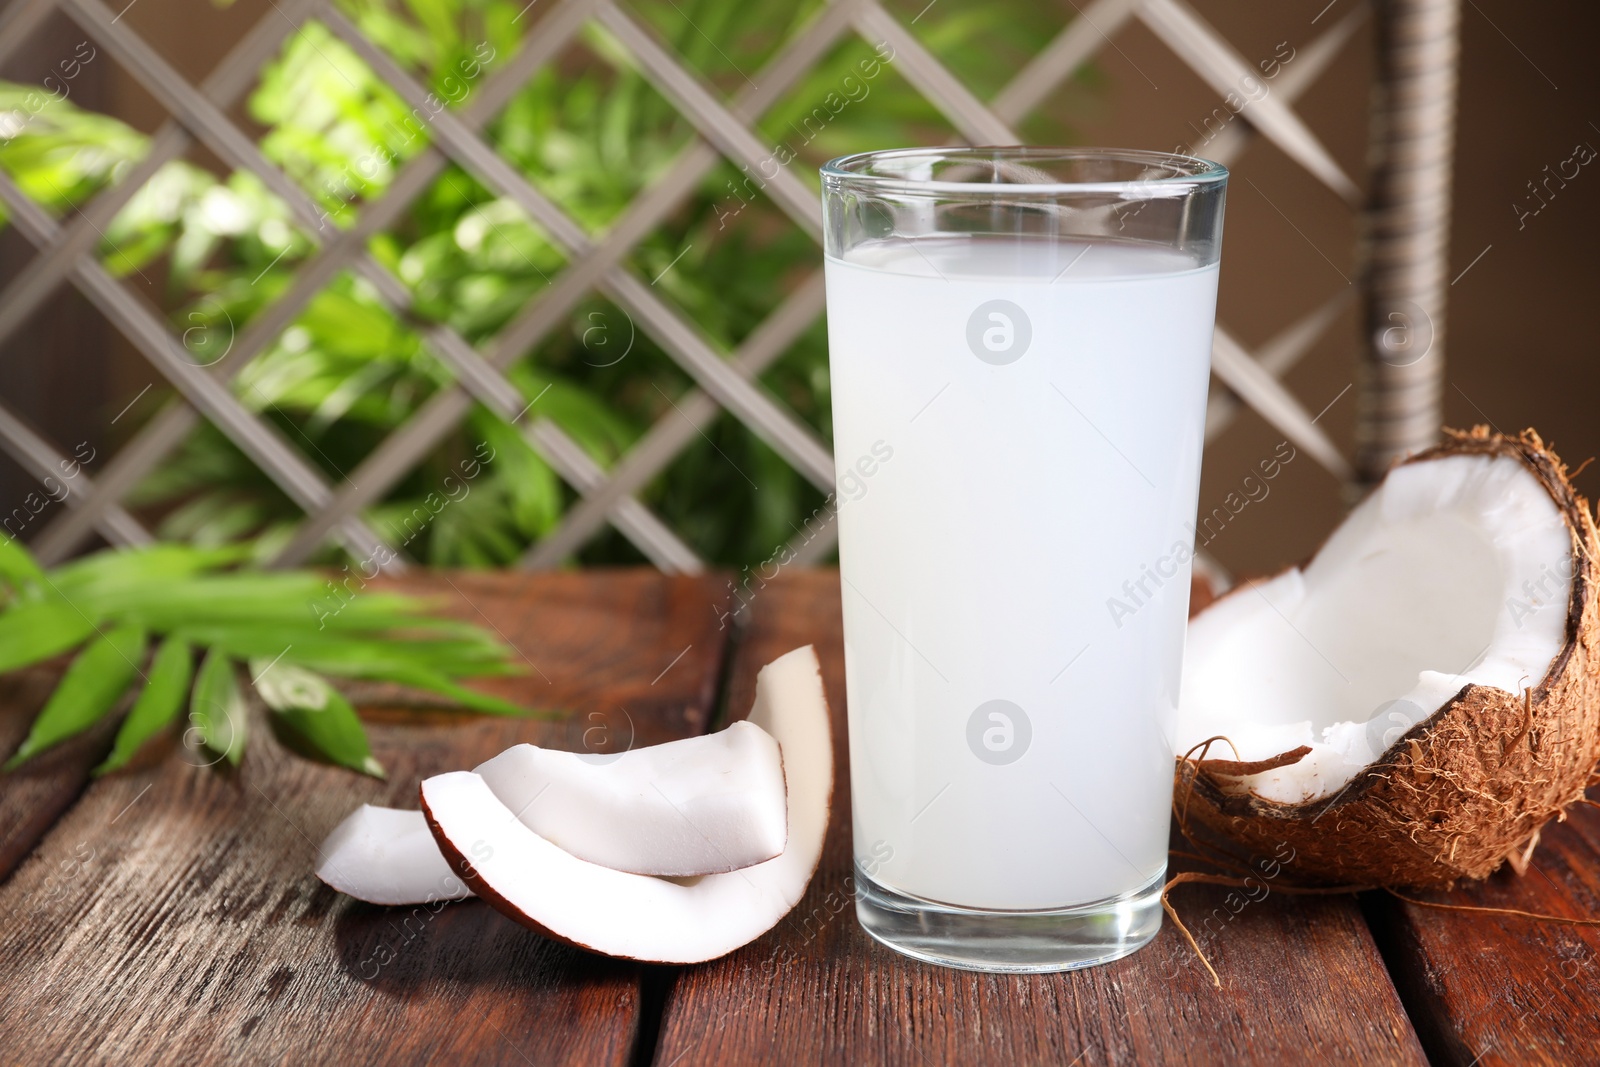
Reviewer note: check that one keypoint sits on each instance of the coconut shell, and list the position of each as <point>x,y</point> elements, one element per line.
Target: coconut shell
<point>1466,789</point>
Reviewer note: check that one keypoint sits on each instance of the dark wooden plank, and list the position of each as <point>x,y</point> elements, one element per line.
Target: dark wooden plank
<point>172,913</point>
<point>1302,977</point>
<point>1487,989</point>
<point>34,795</point>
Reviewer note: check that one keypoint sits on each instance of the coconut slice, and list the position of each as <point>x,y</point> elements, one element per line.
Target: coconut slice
<point>698,806</point>
<point>387,856</point>
<point>1412,705</point>
<point>702,805</point>
<point>637,916</point>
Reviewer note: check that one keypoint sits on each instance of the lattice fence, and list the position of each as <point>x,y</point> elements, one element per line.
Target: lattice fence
<point>723,381</point>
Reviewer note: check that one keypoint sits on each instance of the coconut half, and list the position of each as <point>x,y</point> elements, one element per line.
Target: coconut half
<point>702,805</point>
<point>387,856</point>
<point>1411,706</point>
<point>638,916</point>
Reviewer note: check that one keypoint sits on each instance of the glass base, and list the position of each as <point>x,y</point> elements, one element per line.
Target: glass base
<point>1016,942</point>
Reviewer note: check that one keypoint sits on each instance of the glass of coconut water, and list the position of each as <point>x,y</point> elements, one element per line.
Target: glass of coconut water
<point>1020,341</point>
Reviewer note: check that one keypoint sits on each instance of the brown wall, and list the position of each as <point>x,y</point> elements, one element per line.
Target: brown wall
<point>1520,349</point>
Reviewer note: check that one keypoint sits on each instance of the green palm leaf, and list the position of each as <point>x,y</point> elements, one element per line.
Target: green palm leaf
<point>87,691</point>
<point>38,629</point>
<point>17,565</point>
<point>317,713</point>
<point>159,702</point>
<point>217,708</point>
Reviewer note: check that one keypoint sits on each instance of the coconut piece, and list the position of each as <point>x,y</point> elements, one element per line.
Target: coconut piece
<point>686,808</point>
<point>1436,661</point>
<point>638,916</point>
<point>702,805</point>
<point>387,856</point>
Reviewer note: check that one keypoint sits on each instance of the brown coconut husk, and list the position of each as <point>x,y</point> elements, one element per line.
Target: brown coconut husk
<point>1466,789</point>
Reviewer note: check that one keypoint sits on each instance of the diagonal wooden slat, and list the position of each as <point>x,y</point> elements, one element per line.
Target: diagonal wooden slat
<point>154,442</point>
<point>1278,354</point>
<point>18,21</point>
<point>1061,58</point>
<point>1284,350</point>
<point>713,120</point>
<point>1293,79</point>
<point>168,429</point>
<point>486,384</point>
<point>197,113</point>
<point>675,430</point>
<point>1225,70</point>
<point>213,128</point>
<point>775,425</point>
<point>303,484</point>
<point>1256,386</point>
<point>406,446</point>
<point>36,455</point>
<point>226,83</point>
<point>944,90</point>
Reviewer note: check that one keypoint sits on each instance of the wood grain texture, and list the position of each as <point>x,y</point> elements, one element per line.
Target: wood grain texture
<point>1302,977</point>
<point>1488,989</point>
<point>172,915</point>
<point>33,796</point>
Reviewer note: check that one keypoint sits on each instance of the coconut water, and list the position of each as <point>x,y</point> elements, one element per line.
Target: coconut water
<point>1017,430</point>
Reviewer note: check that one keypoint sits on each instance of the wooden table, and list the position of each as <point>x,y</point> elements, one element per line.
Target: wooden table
<point>170,913</point>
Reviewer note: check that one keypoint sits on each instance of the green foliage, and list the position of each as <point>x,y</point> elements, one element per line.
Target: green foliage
<point>217,708</point>
<point>590,133</point>
<point>32,630</point>
<point>287,624</point>
<point>87,691</point>
<point>61,154</point>
<point>158,705</point>
<point>316,712</point>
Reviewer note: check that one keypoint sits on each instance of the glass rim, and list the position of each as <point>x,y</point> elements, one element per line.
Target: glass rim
<point>1187,173</point>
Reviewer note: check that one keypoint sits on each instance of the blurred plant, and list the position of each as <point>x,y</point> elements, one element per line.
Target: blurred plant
<point>117,606</point>
<point>590,133</point>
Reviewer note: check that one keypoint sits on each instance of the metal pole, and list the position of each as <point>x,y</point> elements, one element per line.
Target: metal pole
<point>1407,231</point>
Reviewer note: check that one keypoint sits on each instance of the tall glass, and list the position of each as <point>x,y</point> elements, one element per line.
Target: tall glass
<point>1020,340</point>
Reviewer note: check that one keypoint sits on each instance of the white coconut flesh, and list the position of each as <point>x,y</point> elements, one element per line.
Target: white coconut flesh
<point>1454,571</point>
<point>387,856</point>
<point>702,805</point>
<point>639,916</point>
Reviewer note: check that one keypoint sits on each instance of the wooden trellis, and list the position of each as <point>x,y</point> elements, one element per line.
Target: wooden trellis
<point>1404,252</point>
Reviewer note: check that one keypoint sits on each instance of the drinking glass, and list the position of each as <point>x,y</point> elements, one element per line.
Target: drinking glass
<point>1020,342</point>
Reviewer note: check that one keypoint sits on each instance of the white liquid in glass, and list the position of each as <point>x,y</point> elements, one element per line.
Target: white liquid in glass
<point>1004,470</point>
